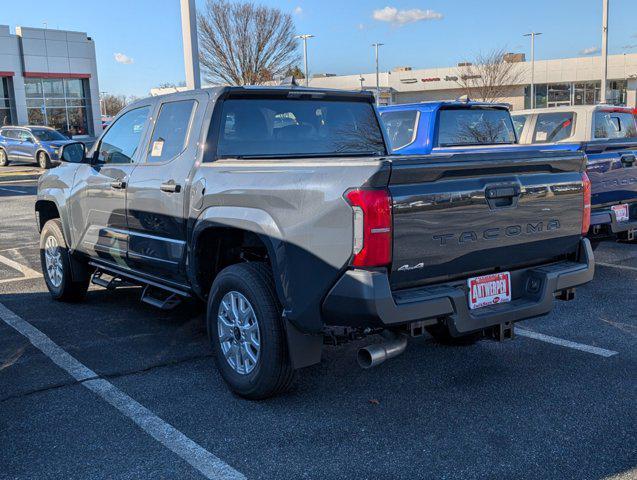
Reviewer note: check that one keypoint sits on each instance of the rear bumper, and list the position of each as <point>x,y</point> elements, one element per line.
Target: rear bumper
<point>607,219</point>
<point>363,298</point>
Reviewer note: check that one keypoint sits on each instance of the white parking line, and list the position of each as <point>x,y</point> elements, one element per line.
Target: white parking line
<point>27,273</point>
<point>205,462</point>
<point>565,343</point>
<point>612,265</point>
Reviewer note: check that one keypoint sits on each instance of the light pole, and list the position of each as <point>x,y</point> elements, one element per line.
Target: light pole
<point>361,79</point>
<point>532,35</point>
<point>376,45</point>
<point>191,47</point>
<point>602,98</point>
<point>304,37</point>
<point>102,112</point>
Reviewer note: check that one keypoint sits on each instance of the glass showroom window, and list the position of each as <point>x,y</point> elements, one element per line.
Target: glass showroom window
<point>617,92</point>
<point>587,93</point>
<point>58,103</point>
<point>5,101</point>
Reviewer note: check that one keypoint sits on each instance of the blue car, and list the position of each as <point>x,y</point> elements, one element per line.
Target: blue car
<point>31,144</point>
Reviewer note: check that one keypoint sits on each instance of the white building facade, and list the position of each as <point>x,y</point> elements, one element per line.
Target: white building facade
<point>49,77</point>
<point>569,81</point>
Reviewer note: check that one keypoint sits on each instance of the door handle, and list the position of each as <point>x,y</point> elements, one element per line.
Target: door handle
<point>118,184</point>
<point>170,187</point>
<point>628,160</point>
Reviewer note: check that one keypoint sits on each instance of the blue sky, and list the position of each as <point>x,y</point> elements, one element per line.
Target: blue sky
<point>419,33</point>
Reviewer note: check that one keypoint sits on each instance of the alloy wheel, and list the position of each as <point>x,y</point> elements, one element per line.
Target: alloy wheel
<point>53,261</point>
<point>238,330</point>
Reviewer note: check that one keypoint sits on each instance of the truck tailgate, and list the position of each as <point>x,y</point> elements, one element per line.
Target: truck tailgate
<point>612,168</point>
<point>459,215</point>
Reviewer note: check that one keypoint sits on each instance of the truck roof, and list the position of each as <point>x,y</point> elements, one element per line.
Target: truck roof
<point>574,108</point>
<point>437,105</point>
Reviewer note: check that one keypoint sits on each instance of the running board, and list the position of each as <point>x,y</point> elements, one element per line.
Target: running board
<point>154,293</point>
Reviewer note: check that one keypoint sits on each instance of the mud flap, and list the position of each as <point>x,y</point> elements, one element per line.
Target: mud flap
<point>304,349</point>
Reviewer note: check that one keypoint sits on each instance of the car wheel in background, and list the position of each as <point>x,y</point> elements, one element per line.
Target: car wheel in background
<point>246,331</point>
<point>43,160</point>
<point>4,159</point>
<point>56,265</point>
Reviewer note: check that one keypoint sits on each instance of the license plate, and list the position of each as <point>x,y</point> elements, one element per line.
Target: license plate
<point>621,212</point>
<point>489,290</point>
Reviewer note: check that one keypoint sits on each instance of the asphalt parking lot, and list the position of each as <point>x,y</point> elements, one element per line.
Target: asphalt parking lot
<point>561,405</point>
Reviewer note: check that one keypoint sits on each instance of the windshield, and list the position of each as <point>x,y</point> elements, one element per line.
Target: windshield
<point>46,135</point>
<point>294,127</point>
<point>475,126</point>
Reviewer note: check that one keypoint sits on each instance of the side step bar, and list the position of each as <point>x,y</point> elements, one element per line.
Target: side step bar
<point>154,293</point>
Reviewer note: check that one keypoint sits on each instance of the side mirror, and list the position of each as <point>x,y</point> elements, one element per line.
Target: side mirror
<point>73,152</point>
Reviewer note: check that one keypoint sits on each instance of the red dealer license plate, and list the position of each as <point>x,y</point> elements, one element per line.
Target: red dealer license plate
<point>621,212</point>
<point>489,290</point>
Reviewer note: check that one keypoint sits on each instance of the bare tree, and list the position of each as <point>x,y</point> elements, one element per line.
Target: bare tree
<point>489,77</point>
<point>244,43</point>
<point>111,104</point>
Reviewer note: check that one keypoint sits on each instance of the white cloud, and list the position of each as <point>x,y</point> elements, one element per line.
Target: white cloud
<point>298,10</point>
<point>589,51</point>
<point>361,26</point>
<point>402,17</point>
<point>123,58</point>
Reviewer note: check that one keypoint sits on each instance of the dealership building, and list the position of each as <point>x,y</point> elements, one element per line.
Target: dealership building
<point>568,81</point>
<point>49,77</point>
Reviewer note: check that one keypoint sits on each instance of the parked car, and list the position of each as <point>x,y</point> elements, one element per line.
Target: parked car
<point>31,144</point>
<point>608,136</point>
<point>282,210</point>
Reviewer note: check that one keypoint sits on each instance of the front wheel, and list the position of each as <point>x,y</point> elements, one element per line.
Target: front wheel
<point>246,332</point>
<point>43,160</point>
<point>56,265</point>
<point>4,159</point>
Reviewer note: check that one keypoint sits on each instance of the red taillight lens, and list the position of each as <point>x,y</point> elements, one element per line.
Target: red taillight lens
<point>586,214</point>
<point>372,227</point>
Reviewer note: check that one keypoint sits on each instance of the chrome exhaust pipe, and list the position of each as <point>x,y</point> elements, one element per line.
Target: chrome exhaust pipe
<point>375,354</point>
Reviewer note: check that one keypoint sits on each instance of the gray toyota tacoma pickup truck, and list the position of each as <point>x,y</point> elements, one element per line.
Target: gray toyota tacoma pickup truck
<point>282,209</point>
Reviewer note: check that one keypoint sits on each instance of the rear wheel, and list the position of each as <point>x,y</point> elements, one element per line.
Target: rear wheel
<point>246,332</point>
<point>56,265</point>
<point>440,333</point>
<point>43,160</point>
<point>4,159</point>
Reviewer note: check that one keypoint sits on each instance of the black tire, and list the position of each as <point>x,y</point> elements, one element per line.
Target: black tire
<point>4,158</point>
<point>273,373</point>
<point>43,160</point>
<point>440,333</point>
<point>67,290</point>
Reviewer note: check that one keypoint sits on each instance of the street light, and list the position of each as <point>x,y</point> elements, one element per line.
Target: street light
<point>376,45</point>
<point>532,35</point>
<point>304,37</point>
<point>604,50</point>
<point>191,47</point>
<point>102,112</point>
<point>361,79</point>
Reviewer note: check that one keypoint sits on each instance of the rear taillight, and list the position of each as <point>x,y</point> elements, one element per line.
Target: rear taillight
<point>586,214</point>
<point>372,227</point>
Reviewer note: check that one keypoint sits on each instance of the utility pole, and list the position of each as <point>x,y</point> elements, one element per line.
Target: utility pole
<point>191,46</point>
<point>102,112</point>
<point>376,45</point>
<point>604,51</point>
<point>304,37</point>
<point>532,35</point>
<point>361,79</point>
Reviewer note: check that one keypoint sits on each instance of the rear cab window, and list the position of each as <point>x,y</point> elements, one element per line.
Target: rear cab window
<point>474,126</point>
<point>402,127</point>
<point>298,127</point>
<point>614,124</point>
<point>518,123</point>
<point>171,131</point>
<point>553,127</point>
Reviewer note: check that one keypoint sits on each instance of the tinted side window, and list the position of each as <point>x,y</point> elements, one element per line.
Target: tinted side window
<point>121,141</point>
<point>614,125</point>
<point>171,131</point>
<point>553,127</point>
<point>7,133</point>
<point>518,123</point>
<point>23,136</point>
<point>401,127</point>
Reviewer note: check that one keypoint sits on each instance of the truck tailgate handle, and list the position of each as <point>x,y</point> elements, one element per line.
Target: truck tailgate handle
<point>502,196</point>
<point>118,184</point>
<point>628,160</point>
<point>170,187</point>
